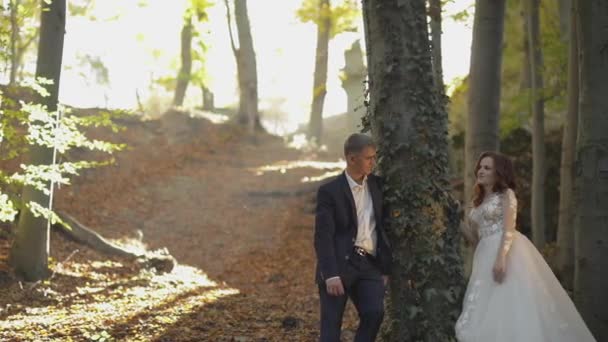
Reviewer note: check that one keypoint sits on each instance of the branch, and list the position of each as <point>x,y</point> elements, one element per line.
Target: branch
<point>229,18</point>
<point>160,260</point>
<point>82,234</point>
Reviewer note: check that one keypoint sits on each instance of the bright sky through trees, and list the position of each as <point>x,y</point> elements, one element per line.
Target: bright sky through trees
<point>140,43</point>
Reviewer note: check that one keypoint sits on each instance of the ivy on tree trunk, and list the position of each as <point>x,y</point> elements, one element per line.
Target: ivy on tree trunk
<point>407,117</point>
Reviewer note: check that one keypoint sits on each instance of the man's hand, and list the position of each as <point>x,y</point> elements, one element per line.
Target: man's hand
<point>385,280</point>
<point>334,286</point>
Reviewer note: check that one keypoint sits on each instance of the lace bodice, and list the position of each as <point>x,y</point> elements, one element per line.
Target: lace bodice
<point>489,215</point>
<point>497,215</point>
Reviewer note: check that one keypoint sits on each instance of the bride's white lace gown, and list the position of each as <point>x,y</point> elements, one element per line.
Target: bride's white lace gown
<point>530,304</point>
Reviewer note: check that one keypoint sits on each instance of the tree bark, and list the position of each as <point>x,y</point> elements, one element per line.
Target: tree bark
<point>247,69</point>
<point>409,121</point>
<point>183,77</point>
<point>539,168</point>
<point>526,74</point>
<point>208,99</point>
<point>435,24</point>
<point>565,228</point>
<point>564,18</point>
<point>30,251</point>
<point>484,91</point>
<point>591,222</point>
<point>320,77</point>
<point>14,8</point>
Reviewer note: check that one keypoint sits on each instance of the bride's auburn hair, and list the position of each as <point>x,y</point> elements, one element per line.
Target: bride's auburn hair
<point>505,176</point>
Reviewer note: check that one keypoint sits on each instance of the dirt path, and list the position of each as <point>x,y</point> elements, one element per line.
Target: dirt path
<point>201,192</point>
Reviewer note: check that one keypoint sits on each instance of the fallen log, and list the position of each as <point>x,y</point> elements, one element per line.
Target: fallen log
<point>160,260</point>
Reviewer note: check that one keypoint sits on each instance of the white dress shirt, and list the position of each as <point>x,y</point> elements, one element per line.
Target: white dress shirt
<point>366,220</point>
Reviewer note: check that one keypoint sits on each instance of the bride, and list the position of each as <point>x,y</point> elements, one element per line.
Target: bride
<point>512,294</point>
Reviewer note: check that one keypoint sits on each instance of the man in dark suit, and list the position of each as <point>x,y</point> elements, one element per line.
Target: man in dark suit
<point>353,255</point>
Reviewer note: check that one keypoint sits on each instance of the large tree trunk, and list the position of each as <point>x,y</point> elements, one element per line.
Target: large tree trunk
<point>30,251</point>
<point>435,24</point>
<point>247,69</point>
<point>183,77</point>
<point>484,93</point>
<point>591,222</point>
<point>409,122</point>
<point>565,228</point>
<point>539,168</point>
<point>484,89</point>
<point>320,77</point>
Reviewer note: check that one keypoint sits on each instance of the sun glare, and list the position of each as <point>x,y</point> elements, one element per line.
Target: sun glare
<point>139,44</point>
<point>144,296</point>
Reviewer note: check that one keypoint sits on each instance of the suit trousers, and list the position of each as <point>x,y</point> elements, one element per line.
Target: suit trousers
<point>364,285</point>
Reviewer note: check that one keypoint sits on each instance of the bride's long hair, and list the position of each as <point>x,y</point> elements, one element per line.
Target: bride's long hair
<point>505,176</point>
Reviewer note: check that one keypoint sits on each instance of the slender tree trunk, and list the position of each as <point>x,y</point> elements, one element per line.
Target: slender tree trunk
<point>435,15</point>
<point>183,77</point>
<point>526,74</point>
<point>320,77</point>
<point>353,78</point>
<point>14,7</point>
<point>591,222</point>
<point>208,102</point>
<point>539,168</point>
<point>21,50</point>
<point>484,93</point>
<point>564,18</point>
<point>565,228</point>
<point>235,49</point>
<point>248,76</point>
<point>30,251</point>
<point>409,121</point>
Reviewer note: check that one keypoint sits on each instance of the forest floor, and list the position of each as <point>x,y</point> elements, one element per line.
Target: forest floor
<point>236,214</point>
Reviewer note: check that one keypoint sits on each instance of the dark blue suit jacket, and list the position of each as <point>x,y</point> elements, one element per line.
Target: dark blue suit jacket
<point>336,227</point>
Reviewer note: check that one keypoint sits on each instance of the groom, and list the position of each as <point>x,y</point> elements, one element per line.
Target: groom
<point>353,256</point>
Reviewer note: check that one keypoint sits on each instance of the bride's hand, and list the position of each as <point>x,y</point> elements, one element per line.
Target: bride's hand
<point>499,269</point>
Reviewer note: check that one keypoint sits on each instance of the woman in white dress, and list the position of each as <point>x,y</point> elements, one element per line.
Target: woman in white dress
<point>512,295</point>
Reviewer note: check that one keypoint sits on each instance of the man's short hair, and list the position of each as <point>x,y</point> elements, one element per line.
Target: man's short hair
<point>356,142</point>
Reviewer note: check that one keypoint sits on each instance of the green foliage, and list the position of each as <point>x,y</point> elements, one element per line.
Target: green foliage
<point>198,9</point>
<point>4,35</point>
<point>80,7</point>
<point>515,102</point>
<point>27,16</point>
<point>196,14</point>
<point>199,75</point>
<point>342,16</point>
<point>92,67</point>
<point>464,15</point>
<point>27,123</point>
